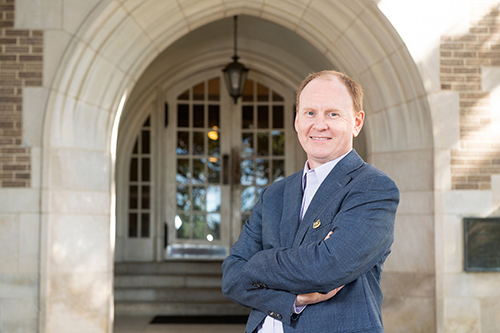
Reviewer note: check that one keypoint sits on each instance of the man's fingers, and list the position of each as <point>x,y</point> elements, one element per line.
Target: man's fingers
<point>328,236</point>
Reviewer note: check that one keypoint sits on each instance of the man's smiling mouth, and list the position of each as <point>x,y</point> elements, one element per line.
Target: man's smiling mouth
<point>318,138</point>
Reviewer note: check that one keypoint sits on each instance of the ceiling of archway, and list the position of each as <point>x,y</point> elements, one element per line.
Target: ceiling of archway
<point>255,36</point>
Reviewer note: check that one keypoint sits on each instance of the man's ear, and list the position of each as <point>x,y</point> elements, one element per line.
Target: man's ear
<point>359,120</point>
<point>296,122</point>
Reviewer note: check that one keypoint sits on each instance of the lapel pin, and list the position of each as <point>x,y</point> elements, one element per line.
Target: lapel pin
<point>316,224</point>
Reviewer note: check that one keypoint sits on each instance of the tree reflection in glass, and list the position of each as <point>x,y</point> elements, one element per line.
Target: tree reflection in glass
<point>183,173</point>
<point>278,170</point>
<point>182,198</point>
<point>182,225</point>
<point>247,145</point>
<point>213,199</point>
<point>198,171</point>
<point>262,144</point>
<point>278,143</point>
<point>198,143</point>
<point>213,223</point>
<point>198,194</point>
<point>262,172</point>
<point>247,172</point>
<point>182,143</point>
<point>213,167</point>
<point>248,198</point>
<point>198,226</point>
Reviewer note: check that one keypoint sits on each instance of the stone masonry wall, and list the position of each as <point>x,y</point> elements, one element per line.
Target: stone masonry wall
<point>21,55</point>
<point>462,57</point>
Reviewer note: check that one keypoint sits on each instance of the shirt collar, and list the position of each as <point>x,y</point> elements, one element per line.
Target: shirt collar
<point>324,169</point>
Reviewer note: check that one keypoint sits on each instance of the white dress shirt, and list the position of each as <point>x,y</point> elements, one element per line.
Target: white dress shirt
<point>312,179</point>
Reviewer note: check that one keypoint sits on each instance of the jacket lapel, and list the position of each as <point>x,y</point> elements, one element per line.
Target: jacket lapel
<point>292,201</point>
<point>328,191</point>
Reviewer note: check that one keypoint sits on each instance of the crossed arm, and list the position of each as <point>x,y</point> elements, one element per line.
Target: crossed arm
<point>312,272</point>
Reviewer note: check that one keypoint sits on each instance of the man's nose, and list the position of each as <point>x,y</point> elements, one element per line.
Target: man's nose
<point>320,123</point>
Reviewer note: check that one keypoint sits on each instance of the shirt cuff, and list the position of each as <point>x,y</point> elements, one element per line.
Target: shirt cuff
<point>298,309</point>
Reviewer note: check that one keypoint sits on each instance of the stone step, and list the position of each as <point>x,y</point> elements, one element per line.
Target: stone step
<point>180,295</point>
<point>168,281</point>
<point>169,267</point>
<point>184,309</point>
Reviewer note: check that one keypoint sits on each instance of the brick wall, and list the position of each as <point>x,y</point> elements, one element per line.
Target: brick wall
<point>21,53</point>
<point>462,57</point>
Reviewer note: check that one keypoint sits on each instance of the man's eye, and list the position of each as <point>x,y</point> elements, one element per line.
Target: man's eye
<point>310,113</point>
<point>333,114</point>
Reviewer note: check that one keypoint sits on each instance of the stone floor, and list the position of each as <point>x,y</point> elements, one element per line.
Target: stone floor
<point>141,325</point>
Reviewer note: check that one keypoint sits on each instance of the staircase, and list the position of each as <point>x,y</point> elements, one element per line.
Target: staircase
<point>171,289</point>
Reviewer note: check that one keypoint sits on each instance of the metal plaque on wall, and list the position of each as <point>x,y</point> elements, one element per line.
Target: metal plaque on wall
<point>482,244</point>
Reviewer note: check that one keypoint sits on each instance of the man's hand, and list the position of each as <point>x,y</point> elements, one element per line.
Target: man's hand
<point>313,298</point>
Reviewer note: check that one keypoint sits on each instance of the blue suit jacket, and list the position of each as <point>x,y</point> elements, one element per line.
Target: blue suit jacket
<point>276,257</point>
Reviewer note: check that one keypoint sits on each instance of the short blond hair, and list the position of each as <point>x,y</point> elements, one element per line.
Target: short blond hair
<point>352,86</point>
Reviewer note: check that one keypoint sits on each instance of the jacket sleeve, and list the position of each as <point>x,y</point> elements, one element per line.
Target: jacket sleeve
<point>238,288</point>
<point>363,231</point>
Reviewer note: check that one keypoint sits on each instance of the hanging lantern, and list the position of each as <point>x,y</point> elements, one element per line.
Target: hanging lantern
<point>235,73</point>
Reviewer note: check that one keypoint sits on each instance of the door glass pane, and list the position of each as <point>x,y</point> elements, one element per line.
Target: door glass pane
<point>132,225</point>
<point>213,89</point>
<point>145,197</point>
<point>213,167</point>
<point>278,143</point>
<point>144,225</point>
<point>198,198</point>
<point>182,143</point>
<point>198,116</point>
<point>198,172</point>
<point>277,97</point>
<point>262,173</point>
<point>145,142</point>
<point>214,198</point>
<point>184,96</point>
<point>262,93</point>
<point>183,202</point>
<point>278,170</point>
<point>247,117</point>
<point>263,116</point>
<point>198,143</point>
<point>145,170</point>
<point>247,145</point>
<point>182,115</point>
<point>198,226</point>
<point>133,197</point>
<point>262,144</point>
<point>213,117</point>
<point>213,223</point>
<point>278,116</point>
<point>136,147</point>
<point>199,92</point>
<point>134,169</point>
<point>248,91</point>
<point>183,175</point>
<point>248,198</point>
<point>182,226</point>
<point>213,143</point>
<point>247,173</point>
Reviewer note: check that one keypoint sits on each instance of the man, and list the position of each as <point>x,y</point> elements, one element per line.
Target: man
<point>309,259</point>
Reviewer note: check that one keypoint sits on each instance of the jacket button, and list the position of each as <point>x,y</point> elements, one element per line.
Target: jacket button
<point>274,315</point>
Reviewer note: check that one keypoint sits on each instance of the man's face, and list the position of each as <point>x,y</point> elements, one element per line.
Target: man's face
<point>325,122</point>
